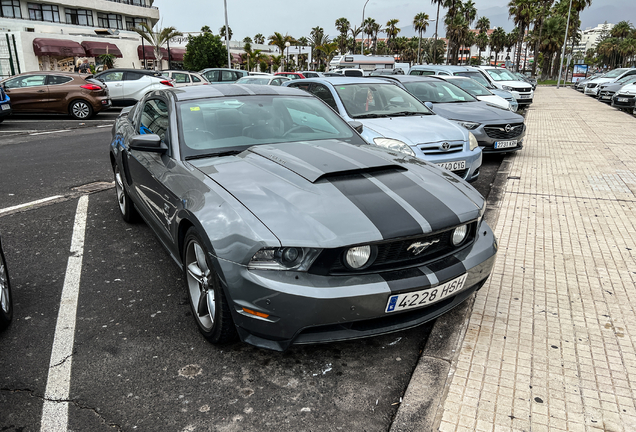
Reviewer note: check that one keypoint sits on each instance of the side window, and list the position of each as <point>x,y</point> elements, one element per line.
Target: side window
<point>323,93</point>
<point>301,86</point>
<point>180,78</point>
<point>212,76</point>
<point>112,76</point>
<point>25,81</point>
<point>57,79</point>
<point>154,118</point>
<point>133,76</point>
<point>195,78</point>
<point>228,76</point>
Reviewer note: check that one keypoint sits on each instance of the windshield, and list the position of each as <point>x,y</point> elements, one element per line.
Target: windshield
<point>438,92</point>
<point>253,80</point>
<point>378,100</point>
<point>472,87</point>
<point>220,125</point>
<point>615,73</point>
<point>501,75</point>
<point>477,76</point>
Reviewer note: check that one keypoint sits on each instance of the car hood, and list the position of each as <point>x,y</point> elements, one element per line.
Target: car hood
<point>629,88</point>
<point>503,93</point>
<point>332,194</point>
<point>415,130</point>
<point>515,84</point>
<point>480,112</point>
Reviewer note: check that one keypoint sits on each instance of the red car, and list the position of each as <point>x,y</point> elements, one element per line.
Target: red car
<point>292,75</point>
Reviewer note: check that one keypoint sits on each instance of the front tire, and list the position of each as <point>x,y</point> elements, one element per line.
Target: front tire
<point>207,299</point>
<point>6,299</point>
<point>126,207</point>
<point>81,110</point>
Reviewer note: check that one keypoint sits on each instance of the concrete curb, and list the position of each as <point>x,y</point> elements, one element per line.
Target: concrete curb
<point>420,410</point>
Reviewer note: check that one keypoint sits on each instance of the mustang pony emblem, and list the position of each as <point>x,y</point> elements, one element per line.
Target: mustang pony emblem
<point>419,247</point>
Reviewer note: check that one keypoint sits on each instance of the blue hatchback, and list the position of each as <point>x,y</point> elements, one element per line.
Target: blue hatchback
<point>393,118</point>
<point>5,105</point>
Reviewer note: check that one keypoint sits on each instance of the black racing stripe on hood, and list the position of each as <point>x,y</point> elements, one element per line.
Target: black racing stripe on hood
<point>436,213</point>
<point>358,153</point>
<point>405,280</point>
<point>389,217</point>
<point>447,269</point>
<point>319,159</point>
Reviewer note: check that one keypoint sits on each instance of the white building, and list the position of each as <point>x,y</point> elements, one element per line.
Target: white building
<point>589,39</point>
<point>55,35</point>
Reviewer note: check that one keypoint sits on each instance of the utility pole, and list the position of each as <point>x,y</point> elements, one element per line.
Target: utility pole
<point>227,37</point>
<point>565,40</point>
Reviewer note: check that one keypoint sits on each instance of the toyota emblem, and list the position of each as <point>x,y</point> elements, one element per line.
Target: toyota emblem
<point>508,128</point>
<point>419,247</point>
<point>445,146</point>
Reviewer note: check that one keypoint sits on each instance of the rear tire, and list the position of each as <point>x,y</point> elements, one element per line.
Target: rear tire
<point>6,299</point>
<point>207,300</point>
<point>81,110</point>
<point>126,207</point>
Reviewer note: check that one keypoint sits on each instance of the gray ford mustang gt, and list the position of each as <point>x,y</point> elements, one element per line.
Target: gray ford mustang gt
<point>288,226</point>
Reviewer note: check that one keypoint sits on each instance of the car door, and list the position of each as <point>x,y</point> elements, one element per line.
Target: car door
<point>148,170</point>
<point>28,93</point>
<point>58,92</point>
<point>114,80</point>
<point>322,92</point>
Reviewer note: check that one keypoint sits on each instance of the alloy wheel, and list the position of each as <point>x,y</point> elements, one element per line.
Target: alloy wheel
<point>200,284</point>
<point>119,188</point>
<point>4,287</point>
<point>81,110</point>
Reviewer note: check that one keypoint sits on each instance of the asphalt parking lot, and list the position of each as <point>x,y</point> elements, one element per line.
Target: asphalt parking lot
<point>138,361</point>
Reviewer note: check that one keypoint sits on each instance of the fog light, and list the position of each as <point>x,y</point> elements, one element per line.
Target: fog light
<point>459,235</point>
<point>357,257</point>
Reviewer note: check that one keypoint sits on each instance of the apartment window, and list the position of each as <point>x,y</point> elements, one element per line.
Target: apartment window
<point>111,21</point>
<point>44,12</point>
<point>132,2</point>
<point>10,9</point>
<point>79,17</point>
<point>132,22</point>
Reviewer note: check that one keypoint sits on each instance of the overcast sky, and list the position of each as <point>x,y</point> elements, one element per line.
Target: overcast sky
<point>249,17</point>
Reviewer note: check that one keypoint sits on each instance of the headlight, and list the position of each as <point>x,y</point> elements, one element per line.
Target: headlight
<point>360,257</point>
<point>508,88</point>
<point>473,141</point>
<point>469,125</point>
<point>393,144</point>
<point>459,235</point>
<point>285,258</point>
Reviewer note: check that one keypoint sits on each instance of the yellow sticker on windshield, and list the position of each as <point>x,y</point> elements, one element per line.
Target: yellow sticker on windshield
<point>195,109</point>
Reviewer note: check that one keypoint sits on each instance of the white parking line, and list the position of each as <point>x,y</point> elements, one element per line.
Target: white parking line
<point>108,125</point>
<point>55,409</point>
<point>29,204</point>
<point>51,132</point>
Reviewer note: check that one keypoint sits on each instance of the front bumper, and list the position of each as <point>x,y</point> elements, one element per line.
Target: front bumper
<point>523,98</point>
<point>473,159</point>
<point>605,96</point>
<point>591,91</point>
<point>487,140</point>
<point>5,112</point>
<point>305,308</point>
<point>624,101</point>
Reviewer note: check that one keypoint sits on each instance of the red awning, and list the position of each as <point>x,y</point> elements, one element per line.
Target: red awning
<point>95,49</point>
<point>176,54</point>
<point>236,58</point>
<point>150,52</point>
<point>57,47</point>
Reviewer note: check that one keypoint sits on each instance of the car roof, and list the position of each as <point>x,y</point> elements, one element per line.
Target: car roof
<point>341,80</point>
<point>410,78</point>
<point>141,71</point>
<point>70,74</point>
<point>448,68</point>
<point>229,90</point>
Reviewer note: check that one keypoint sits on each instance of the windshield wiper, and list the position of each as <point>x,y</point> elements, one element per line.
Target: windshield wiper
<point>408,113</point>
<point>370,115</point>
<point>218,154</point>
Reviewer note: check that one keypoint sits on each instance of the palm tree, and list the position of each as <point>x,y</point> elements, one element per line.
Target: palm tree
<point>392,30</point>
<point>355,31</point>
<point>542,11</point>
<point>317,39</point>
<point>420,23</point>
<point>222,32</point>
<point>522,11</point>
<point>456,30</point>
<point>343,26</point>
<point>329,50</point>
<point>259,39</point>
<point>621,30</point>
<point>552,40</point>
<point>483,25</point>
<point>278,40</point>
<point>367,29</point>
<point>156,38</point>
<point>498,41</point>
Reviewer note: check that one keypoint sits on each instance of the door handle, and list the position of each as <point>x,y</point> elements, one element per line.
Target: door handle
<point>41,91</point>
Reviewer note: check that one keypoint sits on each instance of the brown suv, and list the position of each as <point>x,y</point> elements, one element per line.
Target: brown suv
<point>56,92</point>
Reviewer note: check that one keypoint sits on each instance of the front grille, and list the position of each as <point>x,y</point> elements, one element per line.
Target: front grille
<point>393,254</point>
<point>523,89</point>
<point>499,131</point>
<point>437,148</point>
<point>606,93</point>
<point>461,173</point>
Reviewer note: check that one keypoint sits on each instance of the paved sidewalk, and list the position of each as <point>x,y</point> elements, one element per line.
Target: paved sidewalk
<point>551,341</point>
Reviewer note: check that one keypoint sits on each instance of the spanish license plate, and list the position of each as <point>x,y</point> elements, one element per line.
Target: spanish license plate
<point>605,97</point>
<point>505,144</point>
<point>524,96</point>
<point>621,99</point>
<point>453,166</point>
<point>5,107</point>
<point>425,297</point>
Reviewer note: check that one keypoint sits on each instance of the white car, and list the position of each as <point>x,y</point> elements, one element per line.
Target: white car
<point>128,86</point>
<point>591,87</point>
<point>478,91</point>
<point>182,78</point>
<point>275,80</point>
<point>503,79</point>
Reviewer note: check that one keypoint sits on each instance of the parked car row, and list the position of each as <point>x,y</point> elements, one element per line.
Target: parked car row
<point>616,87</point>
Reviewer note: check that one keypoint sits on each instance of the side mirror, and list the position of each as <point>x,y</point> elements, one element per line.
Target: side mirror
<point>357,126</point>
<point>149,143</point>
<point>429,105</point>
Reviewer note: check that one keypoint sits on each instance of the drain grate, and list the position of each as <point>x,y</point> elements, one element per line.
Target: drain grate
<point>94,187</point>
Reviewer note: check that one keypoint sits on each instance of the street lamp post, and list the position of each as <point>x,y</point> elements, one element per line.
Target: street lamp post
<point>287,44</point>
<point>362,26</point>
<point>567,28</point>
<point>227,37</point>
